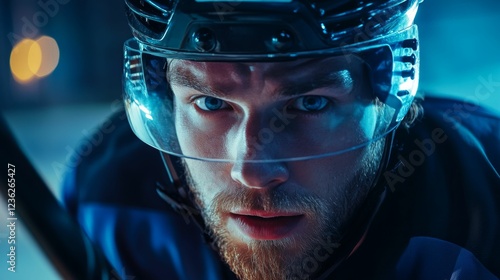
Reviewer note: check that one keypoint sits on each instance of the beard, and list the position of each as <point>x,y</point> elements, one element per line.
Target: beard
<point>293,257</point>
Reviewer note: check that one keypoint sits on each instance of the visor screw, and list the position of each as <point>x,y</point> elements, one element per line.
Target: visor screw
<point>412,59</point>
<point>204,40</point>
<point>282,41</point>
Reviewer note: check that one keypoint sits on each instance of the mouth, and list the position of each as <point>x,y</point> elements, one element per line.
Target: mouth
<point>266,225</point>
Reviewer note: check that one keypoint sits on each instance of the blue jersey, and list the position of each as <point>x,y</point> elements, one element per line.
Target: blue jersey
<point>440,217</point>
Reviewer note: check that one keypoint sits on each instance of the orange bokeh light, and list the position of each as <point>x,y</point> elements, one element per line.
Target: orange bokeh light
<point>30,59</point>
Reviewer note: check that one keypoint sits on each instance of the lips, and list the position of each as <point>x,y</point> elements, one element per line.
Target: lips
<point>266,226</point>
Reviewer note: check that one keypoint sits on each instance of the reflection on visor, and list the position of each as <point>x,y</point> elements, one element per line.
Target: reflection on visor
<point>317,104</point>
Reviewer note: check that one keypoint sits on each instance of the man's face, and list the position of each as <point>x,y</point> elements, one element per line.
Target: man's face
<point>284,218</point>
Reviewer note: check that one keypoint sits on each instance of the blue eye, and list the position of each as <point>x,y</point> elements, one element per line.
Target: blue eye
<point>207,103</point>
<point>310,103</point>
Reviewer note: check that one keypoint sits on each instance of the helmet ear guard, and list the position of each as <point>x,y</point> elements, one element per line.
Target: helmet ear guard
<point>394,73</point>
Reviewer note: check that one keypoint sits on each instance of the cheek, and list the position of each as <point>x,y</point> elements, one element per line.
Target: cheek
<point>199,137</point>
<point>327,175</point>
<point>367,123</point>
<point>208,178</point>
<point>360,126</point>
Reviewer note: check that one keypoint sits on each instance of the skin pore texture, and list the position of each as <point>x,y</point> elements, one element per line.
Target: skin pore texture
<point>270,217</point>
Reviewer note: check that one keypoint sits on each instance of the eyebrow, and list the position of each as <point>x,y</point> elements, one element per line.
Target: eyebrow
<point>334,79</point>
<point>173,77</point>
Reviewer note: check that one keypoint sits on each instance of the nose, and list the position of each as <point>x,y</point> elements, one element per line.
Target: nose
<point>259,175</point>
<point>255,164</point>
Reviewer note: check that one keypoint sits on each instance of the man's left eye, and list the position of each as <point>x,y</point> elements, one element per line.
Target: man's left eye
<point>310,103</point>
<point>208,103</point>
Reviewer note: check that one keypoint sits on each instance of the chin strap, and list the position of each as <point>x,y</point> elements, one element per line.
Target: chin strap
<point>180,198</point>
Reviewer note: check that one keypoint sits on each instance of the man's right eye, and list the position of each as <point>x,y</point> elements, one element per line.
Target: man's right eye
<point>208,103</point>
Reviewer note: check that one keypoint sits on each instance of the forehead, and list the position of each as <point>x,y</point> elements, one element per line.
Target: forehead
<point>283,71</point>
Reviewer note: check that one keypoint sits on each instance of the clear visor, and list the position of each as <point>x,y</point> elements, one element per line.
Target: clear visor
<point>264,109</point>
